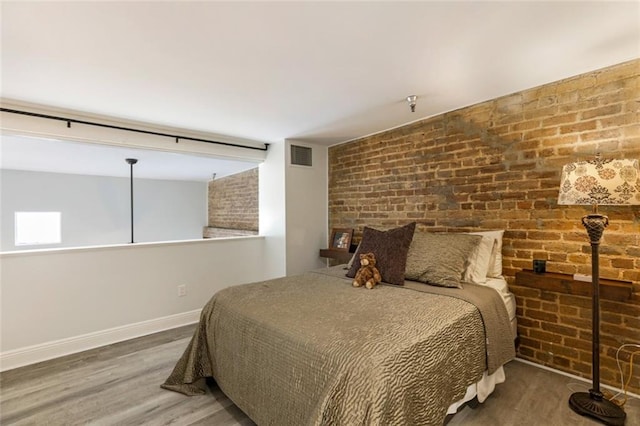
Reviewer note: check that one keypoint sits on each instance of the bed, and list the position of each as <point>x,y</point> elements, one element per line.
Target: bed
<point>314,350</point>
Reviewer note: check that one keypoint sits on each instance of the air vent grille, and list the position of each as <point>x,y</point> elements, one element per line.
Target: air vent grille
<point>301,155</point>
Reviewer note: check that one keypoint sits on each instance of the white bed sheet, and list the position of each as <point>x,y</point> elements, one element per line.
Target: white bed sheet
<point>486,385</point>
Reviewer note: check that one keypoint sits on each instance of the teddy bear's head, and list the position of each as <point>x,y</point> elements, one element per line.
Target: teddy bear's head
<point>367,259</point>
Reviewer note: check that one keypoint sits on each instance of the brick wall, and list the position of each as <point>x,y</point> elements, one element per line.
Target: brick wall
<point>233,201</point>
<point>496,165</point>
<point>555,330</point>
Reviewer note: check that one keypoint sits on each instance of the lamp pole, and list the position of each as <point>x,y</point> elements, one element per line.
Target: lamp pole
<point>131,162</point>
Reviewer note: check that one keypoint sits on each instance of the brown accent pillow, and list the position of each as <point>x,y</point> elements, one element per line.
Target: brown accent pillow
<point>390,248</point>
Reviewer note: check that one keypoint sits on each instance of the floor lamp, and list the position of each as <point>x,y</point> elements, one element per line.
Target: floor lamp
<point>605,182</point>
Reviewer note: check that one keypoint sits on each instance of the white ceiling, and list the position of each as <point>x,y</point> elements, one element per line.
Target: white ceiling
<point>322,71</point>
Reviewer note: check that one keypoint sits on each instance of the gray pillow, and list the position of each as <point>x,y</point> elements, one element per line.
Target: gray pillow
<point>440,259</point>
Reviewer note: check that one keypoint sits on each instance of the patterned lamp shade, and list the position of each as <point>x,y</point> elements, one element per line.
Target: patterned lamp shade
<point>600,182</point>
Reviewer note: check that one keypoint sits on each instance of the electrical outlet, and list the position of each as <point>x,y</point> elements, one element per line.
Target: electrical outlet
<point>182,290</point>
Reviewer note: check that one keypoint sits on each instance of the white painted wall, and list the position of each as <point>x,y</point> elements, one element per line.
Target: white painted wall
<point>54,302</point>
<point>306,210</point>
<point>272,210</point>
<point>95,210</point>
<point>50,295</point>
<point>293,210</point>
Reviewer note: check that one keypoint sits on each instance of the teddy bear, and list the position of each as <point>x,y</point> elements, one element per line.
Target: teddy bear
<point>368,274</point>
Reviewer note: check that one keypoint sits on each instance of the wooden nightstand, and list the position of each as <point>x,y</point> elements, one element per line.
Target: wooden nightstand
<point>620,291</point>
<point>340,256</point>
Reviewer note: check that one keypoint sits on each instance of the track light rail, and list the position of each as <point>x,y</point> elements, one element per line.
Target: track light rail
<point>129,129</point>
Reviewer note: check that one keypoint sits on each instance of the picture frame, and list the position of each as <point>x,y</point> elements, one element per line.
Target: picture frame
<point>341,239</point>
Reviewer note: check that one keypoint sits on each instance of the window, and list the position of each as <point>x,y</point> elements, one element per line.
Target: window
<point>33,228</point>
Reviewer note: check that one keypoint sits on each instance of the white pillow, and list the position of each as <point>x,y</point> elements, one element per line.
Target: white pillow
<point>495,264</point>
<point>480,261</point>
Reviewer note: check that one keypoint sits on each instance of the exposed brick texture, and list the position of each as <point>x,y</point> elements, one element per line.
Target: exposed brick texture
<point>496,165</point>
<point>233,201</point>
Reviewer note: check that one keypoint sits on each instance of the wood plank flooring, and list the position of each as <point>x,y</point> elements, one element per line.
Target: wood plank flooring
<point>120,385</point>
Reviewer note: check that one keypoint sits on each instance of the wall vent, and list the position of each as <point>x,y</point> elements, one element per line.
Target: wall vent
<point>300,155</point>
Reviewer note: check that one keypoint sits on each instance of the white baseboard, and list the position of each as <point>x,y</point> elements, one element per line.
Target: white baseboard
<point>573,376</point>
<point>55,349</point>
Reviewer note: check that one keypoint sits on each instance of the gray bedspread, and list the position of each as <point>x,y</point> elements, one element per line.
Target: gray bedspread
<point>313,350</point>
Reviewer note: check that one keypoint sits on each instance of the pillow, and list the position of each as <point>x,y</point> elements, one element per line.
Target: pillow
<point>440,259</point>
<point>390,248</point>
<point>495,265</point>
<point>480,261</point>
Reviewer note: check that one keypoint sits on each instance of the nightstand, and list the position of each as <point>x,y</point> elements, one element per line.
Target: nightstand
<point>340,256</point>
<point>620,291</point>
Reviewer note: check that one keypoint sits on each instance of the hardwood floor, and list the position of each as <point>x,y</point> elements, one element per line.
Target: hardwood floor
<point>120,385</point>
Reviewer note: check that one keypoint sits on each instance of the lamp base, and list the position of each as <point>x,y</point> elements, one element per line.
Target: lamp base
<point>600,409</point>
